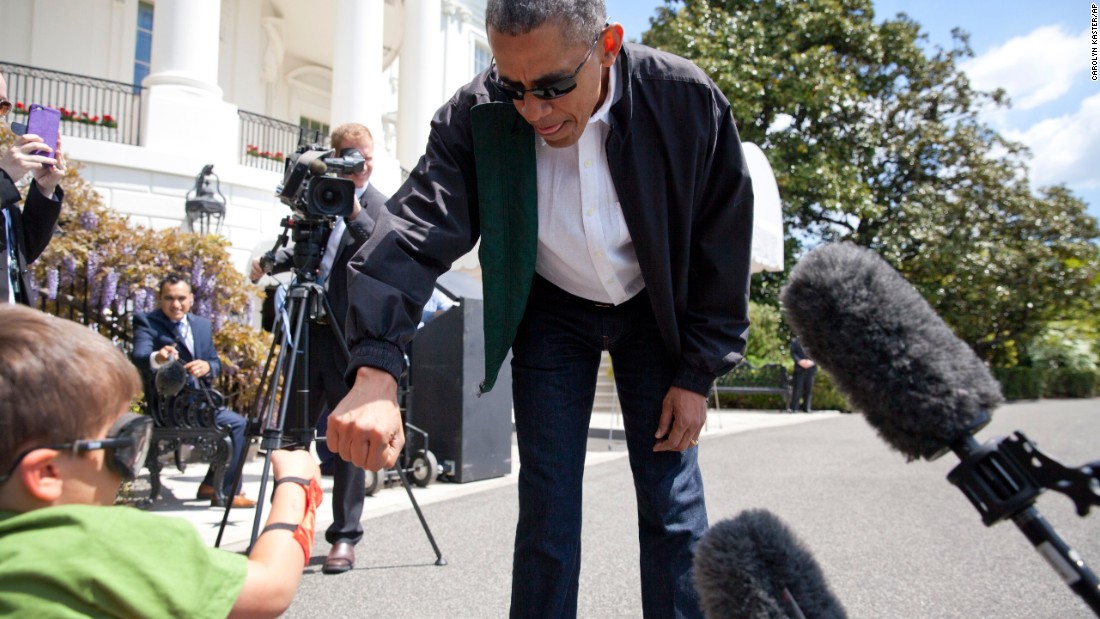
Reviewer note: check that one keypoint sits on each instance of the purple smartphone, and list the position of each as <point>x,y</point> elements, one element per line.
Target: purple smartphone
<point>44,122</point>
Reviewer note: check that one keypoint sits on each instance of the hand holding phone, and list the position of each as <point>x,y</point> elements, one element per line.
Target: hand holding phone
<point>45,123</point>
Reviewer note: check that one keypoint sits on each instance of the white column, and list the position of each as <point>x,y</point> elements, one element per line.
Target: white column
<point>185,46</point>
<point>183,110</point>
<point>357,65</point>
<point>420,89</point>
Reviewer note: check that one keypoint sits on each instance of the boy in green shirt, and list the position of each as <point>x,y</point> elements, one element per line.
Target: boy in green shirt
<point>66,442</point>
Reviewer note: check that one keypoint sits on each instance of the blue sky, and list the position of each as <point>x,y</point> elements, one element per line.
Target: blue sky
<point>1038,51</point>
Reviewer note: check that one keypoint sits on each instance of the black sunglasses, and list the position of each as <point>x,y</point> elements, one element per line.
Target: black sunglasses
<point>5,106</point>
<point>127,443</point>
<point>559,88</point>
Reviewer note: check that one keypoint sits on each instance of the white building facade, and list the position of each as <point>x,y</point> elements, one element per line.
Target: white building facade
<point>154,90</point>
<point>228,83</point>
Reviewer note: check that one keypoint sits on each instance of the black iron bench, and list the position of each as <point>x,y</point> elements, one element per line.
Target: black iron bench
<point>187,421</point>
<point>770,379</point>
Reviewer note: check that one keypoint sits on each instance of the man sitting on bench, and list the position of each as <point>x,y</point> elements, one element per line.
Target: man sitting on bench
<point>172,332</point>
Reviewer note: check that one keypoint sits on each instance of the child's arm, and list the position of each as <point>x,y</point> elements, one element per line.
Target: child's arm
<point>276,561</point>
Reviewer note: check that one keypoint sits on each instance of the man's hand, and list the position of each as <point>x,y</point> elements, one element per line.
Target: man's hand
<point>19,159</point>
<point>48,176</point>
<point>255,271</point>
<point>197,368</point>
<point>682,417</point>
<point>805,364</point>
<point>366,429</point>
<point>166,354</point>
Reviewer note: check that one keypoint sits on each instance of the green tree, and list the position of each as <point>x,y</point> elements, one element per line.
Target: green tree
<point>875,141</point>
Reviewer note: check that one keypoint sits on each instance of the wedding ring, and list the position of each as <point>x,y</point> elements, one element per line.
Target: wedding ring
<point>694,442</point>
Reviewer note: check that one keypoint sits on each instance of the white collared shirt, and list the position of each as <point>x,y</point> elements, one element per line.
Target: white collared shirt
<point>584,245</point>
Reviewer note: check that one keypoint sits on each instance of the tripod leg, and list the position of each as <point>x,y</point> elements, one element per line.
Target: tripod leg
<point>338,332</point>
<point>272,437</point>
<point>439,560</point>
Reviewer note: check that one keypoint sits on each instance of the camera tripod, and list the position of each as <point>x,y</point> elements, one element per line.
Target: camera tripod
<point>287,370</point>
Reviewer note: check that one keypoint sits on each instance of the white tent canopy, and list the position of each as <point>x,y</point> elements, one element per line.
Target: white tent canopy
<point>767,227</point>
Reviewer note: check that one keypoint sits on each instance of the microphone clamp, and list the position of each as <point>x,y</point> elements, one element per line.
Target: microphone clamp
<point>1008,473</point>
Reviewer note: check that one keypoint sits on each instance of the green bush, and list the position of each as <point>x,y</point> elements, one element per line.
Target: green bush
<point>826,396</point>
<point>764,343</point>
<point>1020,382</point>
<point>1069,383</point>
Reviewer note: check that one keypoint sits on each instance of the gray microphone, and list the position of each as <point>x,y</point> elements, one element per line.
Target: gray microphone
<point>170,378</point>
<point>921,387</point>
<point>754,567</point>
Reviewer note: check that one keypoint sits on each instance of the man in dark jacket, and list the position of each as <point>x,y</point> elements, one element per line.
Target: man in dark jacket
<point>802,389</point>
<point>614,209</point>
<point>24,233</point>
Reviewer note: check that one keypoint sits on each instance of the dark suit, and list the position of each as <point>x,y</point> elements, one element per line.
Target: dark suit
<point>802,392</point>
<point>154,331</point>
<point>327,365</point>
<point>32,228</point>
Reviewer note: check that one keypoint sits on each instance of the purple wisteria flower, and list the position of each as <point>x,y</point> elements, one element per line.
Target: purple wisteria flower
<point>139,297</point>
<point>207,287</point>
<point>219,321</point>
<point>196,273</point>
<point>89,220</point>
<point>122,306</point>
<point>52,279</point>
<point>110,291</point>
<point>150,303</point>
<point>68,272</point>
<point>91,271</point>
<point>201,307</point>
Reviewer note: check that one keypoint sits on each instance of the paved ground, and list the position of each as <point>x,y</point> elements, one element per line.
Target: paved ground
<point>895,539</point>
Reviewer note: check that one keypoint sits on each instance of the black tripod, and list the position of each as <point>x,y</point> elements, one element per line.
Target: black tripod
<point>287,365</point>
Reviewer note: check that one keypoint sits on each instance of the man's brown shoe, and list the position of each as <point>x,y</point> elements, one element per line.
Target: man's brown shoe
<point>340,559</point>
<point>206,492</point>
<point>240,501</point>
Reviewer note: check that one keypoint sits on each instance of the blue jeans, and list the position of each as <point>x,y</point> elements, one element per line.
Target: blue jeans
<point>556,356</point>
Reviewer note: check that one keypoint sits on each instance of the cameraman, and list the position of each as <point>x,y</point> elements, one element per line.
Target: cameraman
<point>326,360</point>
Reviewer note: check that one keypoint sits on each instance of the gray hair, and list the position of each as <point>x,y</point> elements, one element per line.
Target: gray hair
<point>580,20</point>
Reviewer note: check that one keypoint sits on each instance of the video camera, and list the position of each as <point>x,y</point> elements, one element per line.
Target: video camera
<point>311,186</point>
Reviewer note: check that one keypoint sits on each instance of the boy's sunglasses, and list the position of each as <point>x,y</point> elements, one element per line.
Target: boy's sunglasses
<point>127,443</point>
<point>559,88</point>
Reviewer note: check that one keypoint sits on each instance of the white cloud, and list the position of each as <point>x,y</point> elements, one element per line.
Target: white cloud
<point>1034,69</point>
<point>1065,149</point>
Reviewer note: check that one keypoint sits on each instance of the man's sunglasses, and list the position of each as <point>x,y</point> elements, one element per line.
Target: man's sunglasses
<point>559,88</point>
<point>5,106</point>
<point>127,443</point>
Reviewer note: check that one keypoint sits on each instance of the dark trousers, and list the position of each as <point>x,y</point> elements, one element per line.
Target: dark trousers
<point>556,356</point>
<point>802,388</point>
<point>326,387</point>
<point>236,426</point>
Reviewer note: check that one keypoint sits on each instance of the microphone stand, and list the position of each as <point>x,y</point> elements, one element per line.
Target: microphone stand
<point>1004,477</point>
